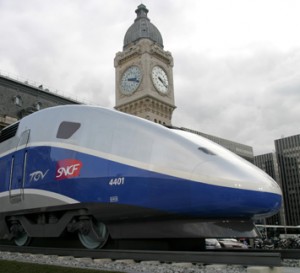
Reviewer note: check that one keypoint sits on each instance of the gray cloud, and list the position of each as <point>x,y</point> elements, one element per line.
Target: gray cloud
<point>252,99</point>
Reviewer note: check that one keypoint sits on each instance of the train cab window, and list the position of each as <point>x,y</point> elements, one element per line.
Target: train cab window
<point>205,150</point>
<point>66,129</point>
<point>9,132</point>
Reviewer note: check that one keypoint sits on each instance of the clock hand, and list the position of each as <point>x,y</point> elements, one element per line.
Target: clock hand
<point>133,80</point>
<point>161,80</point>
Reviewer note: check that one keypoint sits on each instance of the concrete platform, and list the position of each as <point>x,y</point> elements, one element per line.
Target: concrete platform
<point>291,270</point>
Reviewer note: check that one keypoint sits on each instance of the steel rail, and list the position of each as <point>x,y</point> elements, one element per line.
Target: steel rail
<point>246,258</point>
<point>290,254</point>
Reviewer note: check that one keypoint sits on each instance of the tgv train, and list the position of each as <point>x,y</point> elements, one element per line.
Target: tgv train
<point>102,173</point>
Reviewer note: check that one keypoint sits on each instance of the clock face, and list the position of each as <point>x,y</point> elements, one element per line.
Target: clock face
<point>160,79</point>
<point>131,80</point>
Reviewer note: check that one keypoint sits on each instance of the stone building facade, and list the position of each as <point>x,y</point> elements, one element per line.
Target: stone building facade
<point>18,99</point>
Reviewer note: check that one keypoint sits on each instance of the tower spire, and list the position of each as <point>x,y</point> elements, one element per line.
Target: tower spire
<point>141,12</point>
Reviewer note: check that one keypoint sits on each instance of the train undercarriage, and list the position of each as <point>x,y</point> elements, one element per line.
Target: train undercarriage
<point>101,227</point>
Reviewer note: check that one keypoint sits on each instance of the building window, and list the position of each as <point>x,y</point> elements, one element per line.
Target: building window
<point>38,106</point>
<point>18,101</point>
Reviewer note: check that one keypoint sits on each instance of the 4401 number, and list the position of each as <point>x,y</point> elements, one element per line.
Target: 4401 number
<point>117,181</point>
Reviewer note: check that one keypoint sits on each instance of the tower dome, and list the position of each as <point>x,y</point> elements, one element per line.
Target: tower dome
<point>142,28</point>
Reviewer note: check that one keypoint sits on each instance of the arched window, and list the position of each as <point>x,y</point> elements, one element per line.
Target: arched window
<point>38,106</point>
<point>18,100</point>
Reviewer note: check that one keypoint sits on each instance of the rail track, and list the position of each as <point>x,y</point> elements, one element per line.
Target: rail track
<point>245,258</point>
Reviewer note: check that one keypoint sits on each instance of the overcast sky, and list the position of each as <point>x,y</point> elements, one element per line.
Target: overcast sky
<point>236,62</point>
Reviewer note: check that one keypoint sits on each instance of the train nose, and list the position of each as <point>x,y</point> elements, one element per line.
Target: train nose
<point>270,185</point>
<point>260,191</point>
<point>247,190</point>
<point>238,187</point>
<point>269,199</point>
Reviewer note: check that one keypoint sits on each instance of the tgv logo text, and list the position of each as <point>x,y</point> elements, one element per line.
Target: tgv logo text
<point>68,168</point>
<point>37,175</point>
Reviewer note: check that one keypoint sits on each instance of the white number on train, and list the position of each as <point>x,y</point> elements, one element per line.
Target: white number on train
<point>117,181</point>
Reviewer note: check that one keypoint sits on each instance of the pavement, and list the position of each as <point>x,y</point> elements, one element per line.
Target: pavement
<point>291,270</point>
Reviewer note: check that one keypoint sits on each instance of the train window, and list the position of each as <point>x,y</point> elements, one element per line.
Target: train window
<point>9,132</point>
<point>205,150</point>
<point>66,129</point>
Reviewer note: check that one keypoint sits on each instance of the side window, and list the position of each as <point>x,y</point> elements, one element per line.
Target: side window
<point>66,129</point>
<point>8,132</point>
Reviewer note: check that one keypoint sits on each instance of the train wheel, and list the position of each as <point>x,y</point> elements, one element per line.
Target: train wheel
<point>22,239</point>
<point>96,237</point>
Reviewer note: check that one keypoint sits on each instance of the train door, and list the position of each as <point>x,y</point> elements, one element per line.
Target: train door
<point>18,169</point>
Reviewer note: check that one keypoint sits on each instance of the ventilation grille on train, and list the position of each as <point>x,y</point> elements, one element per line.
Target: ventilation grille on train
<point>9,132</point>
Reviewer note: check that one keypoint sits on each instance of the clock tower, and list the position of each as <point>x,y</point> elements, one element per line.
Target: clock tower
<point>144,77</point>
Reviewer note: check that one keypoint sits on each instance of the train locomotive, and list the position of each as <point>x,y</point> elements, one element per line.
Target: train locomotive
<point>105,174</point>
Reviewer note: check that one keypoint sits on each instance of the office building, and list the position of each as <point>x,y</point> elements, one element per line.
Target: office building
<point>288,156</point>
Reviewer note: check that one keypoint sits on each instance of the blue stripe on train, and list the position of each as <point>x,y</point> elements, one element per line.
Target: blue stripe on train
<point>101,180</point>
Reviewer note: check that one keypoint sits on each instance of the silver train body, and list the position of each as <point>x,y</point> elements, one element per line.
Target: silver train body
<point>100,172</point>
